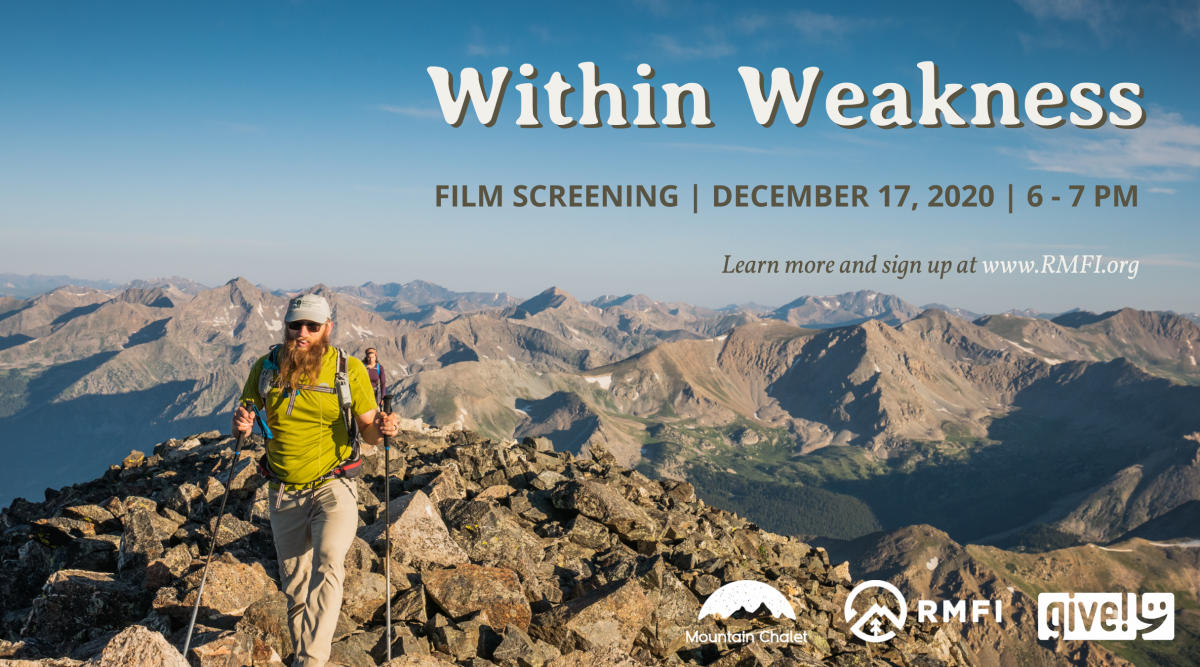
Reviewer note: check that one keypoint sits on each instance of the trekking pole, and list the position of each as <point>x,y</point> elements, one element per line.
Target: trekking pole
<point>387,523</point>
<point>213,541</point>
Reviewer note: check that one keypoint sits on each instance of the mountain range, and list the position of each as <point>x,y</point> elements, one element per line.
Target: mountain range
<point>881,413</point>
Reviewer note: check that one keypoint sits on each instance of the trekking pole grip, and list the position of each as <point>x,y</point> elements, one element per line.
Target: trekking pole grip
<point>387,410</point>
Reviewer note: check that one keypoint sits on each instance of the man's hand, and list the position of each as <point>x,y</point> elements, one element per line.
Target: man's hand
<point>388,425</point>
<point>243,421</point>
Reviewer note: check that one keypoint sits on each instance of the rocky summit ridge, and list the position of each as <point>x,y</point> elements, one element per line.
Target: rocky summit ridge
<point>504,553</point>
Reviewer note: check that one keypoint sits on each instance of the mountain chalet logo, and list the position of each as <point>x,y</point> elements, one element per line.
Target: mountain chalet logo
<point>750,596</point>
<point>870,627</point>
<point>1106,616</point>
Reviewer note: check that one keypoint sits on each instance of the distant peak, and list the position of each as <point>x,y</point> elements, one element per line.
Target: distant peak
<point>550,298</point>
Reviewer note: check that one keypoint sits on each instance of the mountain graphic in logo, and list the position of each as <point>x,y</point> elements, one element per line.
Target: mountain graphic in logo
<point>870,626</point>
<point>748,595</point>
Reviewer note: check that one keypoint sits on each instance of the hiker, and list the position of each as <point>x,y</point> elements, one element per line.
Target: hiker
<point>375,370</point>
<point>317,400</point>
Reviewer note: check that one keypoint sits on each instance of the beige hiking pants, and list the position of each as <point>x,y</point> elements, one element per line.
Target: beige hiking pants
<point>313,531</point>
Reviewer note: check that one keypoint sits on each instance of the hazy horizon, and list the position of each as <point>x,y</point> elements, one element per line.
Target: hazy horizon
<point>304,142</point>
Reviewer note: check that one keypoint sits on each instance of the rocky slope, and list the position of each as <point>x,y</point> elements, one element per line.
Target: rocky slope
<point>1023,421</point>
<point>502,554</point>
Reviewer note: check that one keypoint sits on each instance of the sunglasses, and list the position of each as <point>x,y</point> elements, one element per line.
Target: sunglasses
<point>311,326</point>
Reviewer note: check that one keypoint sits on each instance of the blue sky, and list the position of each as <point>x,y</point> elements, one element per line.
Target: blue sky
<point>301,142</point>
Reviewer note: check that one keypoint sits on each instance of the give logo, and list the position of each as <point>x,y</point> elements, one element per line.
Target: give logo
<point>1106,616</point>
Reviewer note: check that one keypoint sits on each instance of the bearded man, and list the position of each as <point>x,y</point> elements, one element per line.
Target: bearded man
<point>314,506</point>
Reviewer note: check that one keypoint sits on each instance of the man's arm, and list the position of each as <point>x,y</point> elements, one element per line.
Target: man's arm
<point>243,419</point>
<point>375,424</point>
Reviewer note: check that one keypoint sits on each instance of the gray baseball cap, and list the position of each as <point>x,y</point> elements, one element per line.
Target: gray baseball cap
<point>310,307</point>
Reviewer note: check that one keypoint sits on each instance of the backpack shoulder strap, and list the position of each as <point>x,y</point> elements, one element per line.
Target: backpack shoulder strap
<point>345,400</point>
<point>269,372</point>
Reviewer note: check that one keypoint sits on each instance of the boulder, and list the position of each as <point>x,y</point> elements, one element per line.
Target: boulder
<point>523,650</point>
<point>233,531</point>
<point>183,499</point>
<point>134,459</point>
<point>418,534</point>
<point>212,489</point>
<point>102,519</point>
<point>244,475</point>
<point>141,541</point>
<point>600,454</point>
<point>446,485</point>
<point>230,649</point>
<point>59,531</point>
<point>606,504</point>
<point>360,556</point>
<point>410,606</point>
<point>495,492</point>
<point>585,532</point>
<point>115,506</point>
<point>373,464</point>
<point>417,660</point>
<point>466,640</point>
<point>675,612</point>
<point>679,491</point>
<point>172,565</point>
<point>491,535</point>
<point>267,621</point>
<point>355,650</point>
<point>611,616</point>
<point>363,595</point>
<point>705,585</point>
<point>134,503</point>
<point>96,554</point>
<point>136,646</point>
<point>604,656</point>
<point>470,588</point>
<point>77,600</point>
<point>403,643</point>
<point>230,589</point>
<point>547,479</point>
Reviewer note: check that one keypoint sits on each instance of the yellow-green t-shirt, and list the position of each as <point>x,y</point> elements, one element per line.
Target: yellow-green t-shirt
<point>310,437</point>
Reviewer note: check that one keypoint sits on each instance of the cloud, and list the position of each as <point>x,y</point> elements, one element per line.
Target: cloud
<point>414,112</point>
<point>1187,15</point>
<point>1099,15</point>
<point>814,26</point>
<point>821,27</point>
<point>1164,149</point>
<point>1049,246</point>
<point>1165,191</point>
<point>478,47</point>
<point>712,45</point>
<point>1169,260</point>
<point>752,23</point>
<point>656,7</point>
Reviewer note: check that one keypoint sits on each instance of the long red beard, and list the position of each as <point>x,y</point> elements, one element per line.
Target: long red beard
<point>299,365</point>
